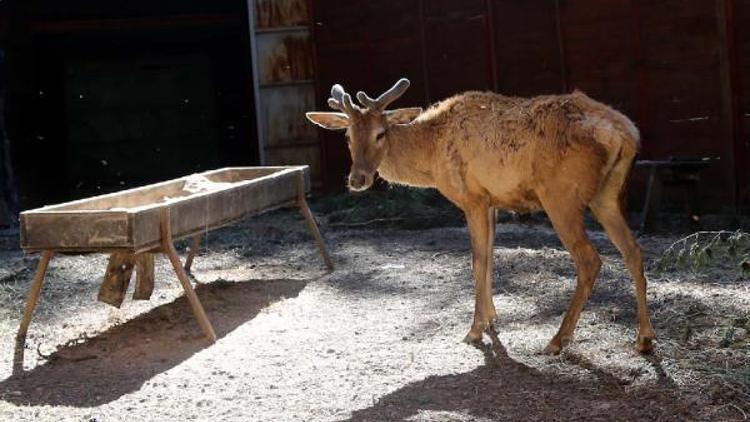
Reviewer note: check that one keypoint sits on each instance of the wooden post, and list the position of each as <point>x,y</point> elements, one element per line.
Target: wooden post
<point>117,278</point>
<point>194,248</point>
<point>652,201</point>
<point>561,47</point>
<point>144,276</point>
<point>731,115</point>
<point>311,224</point>
<point>31,300</point>
<point>171,253</point>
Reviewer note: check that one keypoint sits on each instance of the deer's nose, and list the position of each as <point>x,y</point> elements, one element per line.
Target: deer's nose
<point>357,180</point>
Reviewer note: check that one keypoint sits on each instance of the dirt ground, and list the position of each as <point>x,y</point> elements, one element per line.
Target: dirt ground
<point>377,340</point>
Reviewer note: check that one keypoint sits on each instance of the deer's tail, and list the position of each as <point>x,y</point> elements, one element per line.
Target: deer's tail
<point>617,172</point>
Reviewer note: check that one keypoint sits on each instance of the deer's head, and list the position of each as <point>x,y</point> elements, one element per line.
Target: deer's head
<point>366,127</point>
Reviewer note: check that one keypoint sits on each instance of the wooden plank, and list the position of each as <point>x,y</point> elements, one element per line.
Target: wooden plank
<point>528,61</point>
<point>284,57</point>
<point>457,47</point>
<point>452,10</point>
<point>730,96</point>
<point>117,278</point>
<point>281,111</point>
<point>55,231</point>
<point>742,44</point>
<point>281,13</point>
<point>561,47</point>
<point>693,20</point>
<point>83,25</point>
<point>598,63</point>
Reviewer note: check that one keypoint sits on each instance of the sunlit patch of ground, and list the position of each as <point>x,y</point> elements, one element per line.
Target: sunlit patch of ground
<point>379,339</point>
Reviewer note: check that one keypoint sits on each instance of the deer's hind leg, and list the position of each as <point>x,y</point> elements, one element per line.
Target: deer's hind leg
<point>608,210</point>
<point>567,219</point>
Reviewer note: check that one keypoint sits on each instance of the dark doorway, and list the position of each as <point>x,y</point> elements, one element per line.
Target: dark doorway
<point>125,96</point>
<point>138,120</point>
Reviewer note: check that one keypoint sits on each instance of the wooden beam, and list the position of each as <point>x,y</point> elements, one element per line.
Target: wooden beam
<point>312,225</point>
<point>31,300</point>
<point>561,47</point>
<point>194,248</point>
<point>180,21</point>
<point>490,27</point>
<point>730,101</point>
<point>642,82</point>
<point>165,224</point>
<point>117,278</point>
<point>423,45</point>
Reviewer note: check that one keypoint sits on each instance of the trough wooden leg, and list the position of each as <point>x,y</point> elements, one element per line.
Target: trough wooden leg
<point>315,231</point>
<point>171,253</point>
<point>117,278</point>
<point>144,276</point>
<point>31,300</point>
<point>194,248</point>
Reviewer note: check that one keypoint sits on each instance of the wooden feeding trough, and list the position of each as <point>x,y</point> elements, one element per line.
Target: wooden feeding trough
<point>135,224</point>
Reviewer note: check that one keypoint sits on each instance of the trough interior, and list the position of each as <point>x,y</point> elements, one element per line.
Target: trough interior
<point>163,192</point>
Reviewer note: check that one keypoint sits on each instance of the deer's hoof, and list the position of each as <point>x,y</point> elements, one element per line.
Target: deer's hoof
<point>556,345</point>
<point>644,344</point>
<point>473,338</point>
<point>552,349</point>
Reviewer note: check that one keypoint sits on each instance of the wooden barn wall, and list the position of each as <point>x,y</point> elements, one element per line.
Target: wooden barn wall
<point>526,48</point>
<point>286,85</point>
<point>668,64</point>
<point>740,54</point>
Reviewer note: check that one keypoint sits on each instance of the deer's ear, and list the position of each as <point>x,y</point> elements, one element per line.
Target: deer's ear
<point>328,119</point>
<point>401,116</point>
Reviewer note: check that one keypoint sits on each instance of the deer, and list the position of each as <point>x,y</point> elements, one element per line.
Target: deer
<point>561,154</point>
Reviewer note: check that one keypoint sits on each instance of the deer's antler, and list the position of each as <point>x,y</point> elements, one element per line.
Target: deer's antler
<point>386,98</point>
<point>342,101</point>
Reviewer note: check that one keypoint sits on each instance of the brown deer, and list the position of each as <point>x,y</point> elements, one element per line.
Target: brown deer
<point>481,150</point>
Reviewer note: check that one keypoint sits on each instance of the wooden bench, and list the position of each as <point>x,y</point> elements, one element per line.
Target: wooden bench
<point>135,224</point>
<point>681,172</point>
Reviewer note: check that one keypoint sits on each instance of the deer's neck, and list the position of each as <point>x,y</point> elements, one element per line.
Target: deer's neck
<point>409,157</point>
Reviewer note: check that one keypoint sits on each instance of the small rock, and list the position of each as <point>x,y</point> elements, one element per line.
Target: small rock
<point>739,334</point>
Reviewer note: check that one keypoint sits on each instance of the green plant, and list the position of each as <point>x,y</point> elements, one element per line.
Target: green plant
<point>701,249</point>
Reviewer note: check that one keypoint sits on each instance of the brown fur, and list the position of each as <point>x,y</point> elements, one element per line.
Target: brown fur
<point>481,150</point>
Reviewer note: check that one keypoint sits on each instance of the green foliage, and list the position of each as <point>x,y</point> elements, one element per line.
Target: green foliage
<point>702,249</point>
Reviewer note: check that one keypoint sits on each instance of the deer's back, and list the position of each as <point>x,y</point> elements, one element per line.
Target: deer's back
<point>510,147</point>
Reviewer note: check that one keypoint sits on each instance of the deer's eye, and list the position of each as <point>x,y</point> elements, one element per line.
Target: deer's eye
<point>380,136</point>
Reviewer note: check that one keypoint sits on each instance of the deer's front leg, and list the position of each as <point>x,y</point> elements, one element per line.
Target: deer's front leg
<point>482,239</point>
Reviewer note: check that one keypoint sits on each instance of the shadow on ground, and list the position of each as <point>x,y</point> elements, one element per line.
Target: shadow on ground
<point>504,389</point>
<point>118,361</point>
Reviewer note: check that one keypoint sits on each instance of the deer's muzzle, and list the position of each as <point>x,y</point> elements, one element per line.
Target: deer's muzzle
<point>359,180</point>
